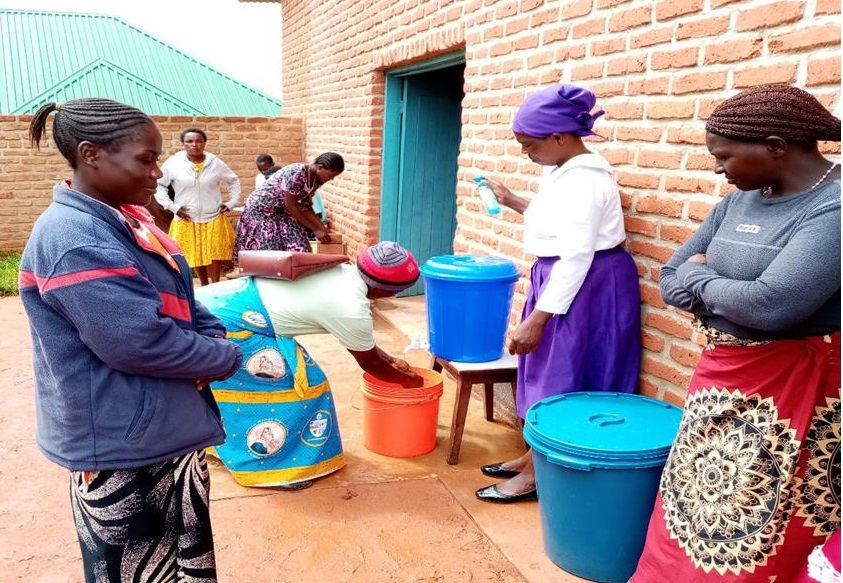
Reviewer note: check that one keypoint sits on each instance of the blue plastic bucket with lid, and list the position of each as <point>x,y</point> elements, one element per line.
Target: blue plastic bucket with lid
<point>468,298</point>
<point>598,458</point>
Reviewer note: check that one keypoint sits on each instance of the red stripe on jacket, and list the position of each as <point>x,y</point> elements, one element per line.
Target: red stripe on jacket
<point>46,284</point>
<point>26,279</point>
<point>175,307</point>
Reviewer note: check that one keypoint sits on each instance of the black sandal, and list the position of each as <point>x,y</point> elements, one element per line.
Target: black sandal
<point>295,486</point>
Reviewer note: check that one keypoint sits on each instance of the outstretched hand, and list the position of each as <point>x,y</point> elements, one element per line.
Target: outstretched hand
<point>322,235</point>
<point>411,379</point>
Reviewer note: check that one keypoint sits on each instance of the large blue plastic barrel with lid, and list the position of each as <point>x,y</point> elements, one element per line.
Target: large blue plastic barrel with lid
<point>468,298</point>
<point>598,459</point>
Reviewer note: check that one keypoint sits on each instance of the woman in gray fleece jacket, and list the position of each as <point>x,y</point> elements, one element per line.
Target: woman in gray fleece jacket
<point>752,483</point>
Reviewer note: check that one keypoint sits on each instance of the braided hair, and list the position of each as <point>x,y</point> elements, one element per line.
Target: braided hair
<point>774,110</point>
<point>330,161</point>
<point>100,121</point>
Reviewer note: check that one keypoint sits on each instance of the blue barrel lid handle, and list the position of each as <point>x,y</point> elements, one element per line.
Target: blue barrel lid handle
<point>604,419</point>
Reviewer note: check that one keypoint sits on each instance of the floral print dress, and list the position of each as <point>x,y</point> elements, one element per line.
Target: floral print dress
<point>266,222</point>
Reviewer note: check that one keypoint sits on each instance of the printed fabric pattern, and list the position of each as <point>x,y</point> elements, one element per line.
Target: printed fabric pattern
<point>266,222</point>
<point>752,483</point>
<point>277,409</point>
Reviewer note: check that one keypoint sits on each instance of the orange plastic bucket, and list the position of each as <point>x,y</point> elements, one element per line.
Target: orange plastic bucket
<point>398,421</point>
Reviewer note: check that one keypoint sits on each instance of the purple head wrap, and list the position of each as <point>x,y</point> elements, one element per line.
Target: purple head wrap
<point>561,109</point>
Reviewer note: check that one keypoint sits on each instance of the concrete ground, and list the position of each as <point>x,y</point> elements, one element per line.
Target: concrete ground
<point>378,520</point>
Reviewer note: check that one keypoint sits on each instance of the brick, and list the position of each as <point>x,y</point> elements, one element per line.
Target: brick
<point>576,9</point>
<point>648,388</point>
<point>641,225</point>
<point>626,65</point>
<point>674,59</point>
<point>608,46</point>
<point>769,15</point>
<point>677,233</point>
<point>822,71</point>
<point>689,133</point>
<point>608,88</point>
<point>555,34</point>
<point>670,323</point>
<point>698,210</point>
<point>665,370</point>
<point>618,156</point>
<point>675,396</point>
<point>517,25</point>
<point>651,295</point>
<point>670,109</point>
<point>659,205</point>
<point>548,15</point>
<point>812,37</point>
<point>638,134</point>
<point>585,72</point>
<point>624,110</point>
<point>740,50</point>
<point>685,354</point>
<point>602,4</point>
<point>699,82</point>
<point>652,35</point>
<point>690,184</point>
<point>655,272</point>
<point>653,250</point>
<point>699,161</point>
<point>668,9</point>
<point>621,20</point>
<point>757,75</point>
<point>637,180</point>
<point>703,27</point>
<point>827,7</point>
<point>652,342</point>
<point>659,159</point>
<point>648,86</point>
<point>589,28</point>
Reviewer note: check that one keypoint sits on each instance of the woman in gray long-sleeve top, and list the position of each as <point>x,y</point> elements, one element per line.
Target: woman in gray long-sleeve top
<point>753,480</point>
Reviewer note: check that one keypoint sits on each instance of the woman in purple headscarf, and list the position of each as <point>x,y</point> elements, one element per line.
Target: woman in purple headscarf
<point>581,326</point>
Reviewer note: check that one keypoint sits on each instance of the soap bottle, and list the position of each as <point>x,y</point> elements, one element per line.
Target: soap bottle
<point>488,197</point>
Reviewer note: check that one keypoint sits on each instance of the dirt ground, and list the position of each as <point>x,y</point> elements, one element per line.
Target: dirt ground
<point>378,520</point>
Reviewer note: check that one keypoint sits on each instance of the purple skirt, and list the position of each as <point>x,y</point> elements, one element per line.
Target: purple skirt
<point>596,346</point>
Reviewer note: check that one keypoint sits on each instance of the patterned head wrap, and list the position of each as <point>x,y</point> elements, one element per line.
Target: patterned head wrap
<point>561,109</point>
<point>387,266</point>
<point>773,110</point>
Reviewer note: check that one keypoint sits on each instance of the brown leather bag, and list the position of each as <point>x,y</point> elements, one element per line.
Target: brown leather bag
<point>285,264</point>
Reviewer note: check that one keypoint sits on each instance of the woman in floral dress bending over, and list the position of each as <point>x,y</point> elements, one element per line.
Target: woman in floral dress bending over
<point>279,215</point>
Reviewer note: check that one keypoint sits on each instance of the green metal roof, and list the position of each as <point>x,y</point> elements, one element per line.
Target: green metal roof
<point>58,56</point>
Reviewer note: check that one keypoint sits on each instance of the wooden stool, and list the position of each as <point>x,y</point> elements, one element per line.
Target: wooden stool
<point>468,374</point>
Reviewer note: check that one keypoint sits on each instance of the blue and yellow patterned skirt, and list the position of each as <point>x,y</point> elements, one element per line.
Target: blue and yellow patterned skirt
<point>278,410</point>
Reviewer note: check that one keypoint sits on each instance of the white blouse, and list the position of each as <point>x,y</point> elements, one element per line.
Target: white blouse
<point>200,194</point>
<point>576,212</point>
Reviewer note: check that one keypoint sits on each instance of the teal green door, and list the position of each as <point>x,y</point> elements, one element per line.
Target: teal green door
<point>420,162</point>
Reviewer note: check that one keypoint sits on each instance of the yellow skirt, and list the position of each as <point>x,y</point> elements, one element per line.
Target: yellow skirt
<point>203,243</point>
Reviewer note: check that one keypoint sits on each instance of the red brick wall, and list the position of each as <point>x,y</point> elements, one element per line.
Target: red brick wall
<point>658,68</point>
<point>27,176</point>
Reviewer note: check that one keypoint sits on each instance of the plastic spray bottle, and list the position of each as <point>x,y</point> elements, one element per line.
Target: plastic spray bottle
<point>488,197</point>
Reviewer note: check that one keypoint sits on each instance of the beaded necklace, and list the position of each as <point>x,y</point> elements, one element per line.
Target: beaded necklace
<point>767,192</point>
